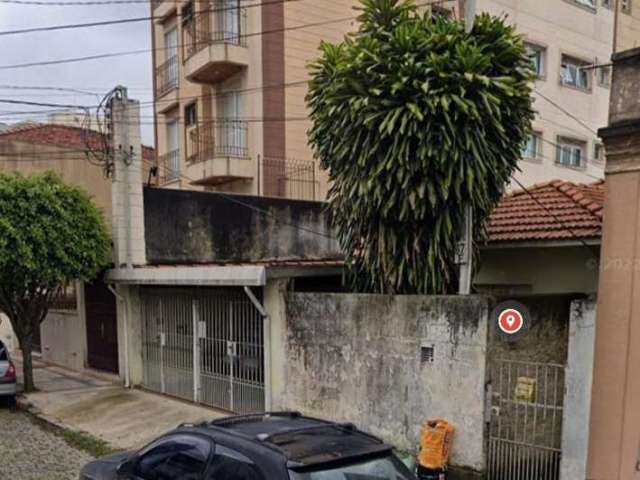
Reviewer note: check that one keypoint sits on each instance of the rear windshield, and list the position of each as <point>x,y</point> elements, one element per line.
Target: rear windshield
<point>388,468</point>
<point>3,353</point>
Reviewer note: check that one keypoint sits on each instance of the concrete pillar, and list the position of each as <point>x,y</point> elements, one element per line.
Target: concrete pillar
<point>126,192</point>
<point>82,322</point>
<point>577,397</point>
<point>275,306</point>
<point>129,334</point>
<point>614,435</point>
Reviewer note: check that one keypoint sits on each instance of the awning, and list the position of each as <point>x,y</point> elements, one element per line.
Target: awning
<point>210,275</point>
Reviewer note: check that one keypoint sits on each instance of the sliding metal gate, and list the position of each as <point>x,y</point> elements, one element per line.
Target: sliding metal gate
<point>204,345</point>
<point>526,420</point>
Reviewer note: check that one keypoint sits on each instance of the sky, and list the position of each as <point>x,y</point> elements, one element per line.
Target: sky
<point>97,76</point>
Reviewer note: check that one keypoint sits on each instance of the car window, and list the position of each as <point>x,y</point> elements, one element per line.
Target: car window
<point>3,353</point>
<point>178,457</point>
<point>388,468</point>
<point>228,464</point>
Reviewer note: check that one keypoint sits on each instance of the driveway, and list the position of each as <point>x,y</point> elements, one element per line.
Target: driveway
<point>124,418</point>
<point>31,452</point>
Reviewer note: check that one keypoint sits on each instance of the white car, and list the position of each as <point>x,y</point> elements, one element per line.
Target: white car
<point>7,375</point>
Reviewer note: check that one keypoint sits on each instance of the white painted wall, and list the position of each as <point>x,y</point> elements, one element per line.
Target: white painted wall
<point>7,334</point>
<point>64,339</point>
<point>577,399</point>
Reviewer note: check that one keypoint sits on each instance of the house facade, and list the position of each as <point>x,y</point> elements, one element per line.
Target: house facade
<point>230,83</point>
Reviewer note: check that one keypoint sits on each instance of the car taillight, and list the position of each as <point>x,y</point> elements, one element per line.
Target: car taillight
<point>10,374</point>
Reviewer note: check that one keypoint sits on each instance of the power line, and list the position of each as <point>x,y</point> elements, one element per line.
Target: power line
<point>149,50</point>
<point>127,20</point>
<point>566,112</point>
<point>555,218</point>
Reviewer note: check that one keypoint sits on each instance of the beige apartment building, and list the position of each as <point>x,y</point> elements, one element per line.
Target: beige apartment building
<point>230,89</point>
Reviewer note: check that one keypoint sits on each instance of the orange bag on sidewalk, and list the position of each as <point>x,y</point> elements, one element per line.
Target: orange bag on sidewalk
<point>435,443</point>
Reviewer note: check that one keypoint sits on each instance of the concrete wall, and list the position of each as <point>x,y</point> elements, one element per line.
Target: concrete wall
<point>358,358</point>
<point>627,26</point>
<point>577,398</point>
<point>207,228</point>
<point>543,270</point>
<point>64,339</point>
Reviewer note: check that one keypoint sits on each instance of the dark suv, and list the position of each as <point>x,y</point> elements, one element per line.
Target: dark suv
<point>269,446</point>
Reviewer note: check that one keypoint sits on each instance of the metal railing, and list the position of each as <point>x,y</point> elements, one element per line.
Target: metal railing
<point>167,76</point>
<point>219,138</point>
<point>170,166</point>
<point>294,179</point>
<point>224,25</point>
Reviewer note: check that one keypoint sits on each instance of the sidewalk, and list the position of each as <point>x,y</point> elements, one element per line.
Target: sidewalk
<point>125,418</point>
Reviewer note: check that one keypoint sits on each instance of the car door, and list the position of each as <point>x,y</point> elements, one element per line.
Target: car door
<point>228,464</point>
<point>175,457</point>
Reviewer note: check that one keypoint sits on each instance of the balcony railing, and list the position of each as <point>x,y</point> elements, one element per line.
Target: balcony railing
<point>219,138</point>
<point>224,25</point>
<point>170,166</point>
<point>167,76</point>
<point>292,179</point>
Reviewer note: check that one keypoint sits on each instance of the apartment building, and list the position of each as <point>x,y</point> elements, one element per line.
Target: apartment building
<point>230,89</point>
<point>627,27</point>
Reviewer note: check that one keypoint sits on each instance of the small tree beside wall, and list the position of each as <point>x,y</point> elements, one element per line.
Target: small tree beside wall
<point>50,234</point>
<point>416,119</point>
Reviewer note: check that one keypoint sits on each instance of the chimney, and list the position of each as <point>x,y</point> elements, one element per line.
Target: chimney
<point>126,191</point>
<point>614,436</point>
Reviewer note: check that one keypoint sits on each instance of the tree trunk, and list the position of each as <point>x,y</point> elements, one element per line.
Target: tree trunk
<point>27,365</point>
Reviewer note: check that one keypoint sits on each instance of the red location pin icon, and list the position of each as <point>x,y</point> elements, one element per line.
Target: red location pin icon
<point>510,321</point>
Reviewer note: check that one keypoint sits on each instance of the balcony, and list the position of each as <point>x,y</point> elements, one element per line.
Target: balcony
<point>167,80</point>
<point>293,179</point>
<point>218,153</point>
<point>162,9</point>
<point>215,44</point>
<point>169,170</point>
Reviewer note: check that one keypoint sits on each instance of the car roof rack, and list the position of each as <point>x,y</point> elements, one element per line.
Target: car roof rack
<point>221,422</point>
<point>269,437</point>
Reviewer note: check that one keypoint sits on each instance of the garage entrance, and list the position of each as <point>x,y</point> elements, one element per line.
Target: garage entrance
<point>205,345</point>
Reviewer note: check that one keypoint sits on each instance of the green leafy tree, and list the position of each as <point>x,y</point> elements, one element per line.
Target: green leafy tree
<point>414,119</point>
<point>50,234</point>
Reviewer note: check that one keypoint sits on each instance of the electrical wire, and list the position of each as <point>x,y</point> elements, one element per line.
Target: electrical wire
<point>566,112</point>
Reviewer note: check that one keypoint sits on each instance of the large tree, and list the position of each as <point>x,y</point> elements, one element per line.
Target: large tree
<point>50,234</point>
<point>414,119</point>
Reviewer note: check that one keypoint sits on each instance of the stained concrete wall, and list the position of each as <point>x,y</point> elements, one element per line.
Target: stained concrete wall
<point>64,339</point>
<point>577,398</point>
<point>358,358</point>
<point>207,227</point>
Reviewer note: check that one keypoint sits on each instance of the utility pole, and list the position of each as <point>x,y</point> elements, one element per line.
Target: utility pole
<point>465,245</point>
<point>126,190</point>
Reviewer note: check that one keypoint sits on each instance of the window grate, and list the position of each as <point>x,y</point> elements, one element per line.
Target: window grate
<point>426,354</point>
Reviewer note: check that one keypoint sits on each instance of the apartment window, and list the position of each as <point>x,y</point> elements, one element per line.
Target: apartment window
<point>573,74</point>
<point>438,11</point>
<point>171,160</point>
<point>191,115</point>
<point>604,76</point>
<point>625,6</point>
<point>587,3</point>
<point>533,146</point>
<point>537,56</point>
<point>570,152</point>
<point>598,152</point>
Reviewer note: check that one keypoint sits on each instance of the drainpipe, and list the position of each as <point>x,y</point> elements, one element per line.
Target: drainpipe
<point>125,304</point>
<point>267,347</point>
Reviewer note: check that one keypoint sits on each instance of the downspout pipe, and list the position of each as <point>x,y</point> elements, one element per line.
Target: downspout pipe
<point>267,347</point>
<point>125,305</point>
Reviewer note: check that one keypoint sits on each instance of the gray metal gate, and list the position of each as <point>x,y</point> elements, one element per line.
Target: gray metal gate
<point>526,420</point>
<point>204,345</point>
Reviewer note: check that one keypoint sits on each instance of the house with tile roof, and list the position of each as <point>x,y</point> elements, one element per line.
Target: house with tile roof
<point>545,239</point>
<point>32,148</point>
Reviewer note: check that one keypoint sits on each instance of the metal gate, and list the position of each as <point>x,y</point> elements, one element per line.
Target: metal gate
<point>526,420</point>
<point>204,345</point>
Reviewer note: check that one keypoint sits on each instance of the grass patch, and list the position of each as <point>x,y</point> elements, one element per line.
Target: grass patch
<point>82,441</point>
<point>87,443</point>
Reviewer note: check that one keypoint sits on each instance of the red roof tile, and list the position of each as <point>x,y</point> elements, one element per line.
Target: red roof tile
<point>61,136</point>
<point>556,210</point>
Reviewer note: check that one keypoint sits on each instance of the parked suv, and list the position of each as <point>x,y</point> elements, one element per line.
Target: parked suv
<point>269,446</point>
<point>7,375</point>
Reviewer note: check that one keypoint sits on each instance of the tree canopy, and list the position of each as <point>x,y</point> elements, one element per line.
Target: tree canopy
<point>414,119</point>
<point>50,234</point>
